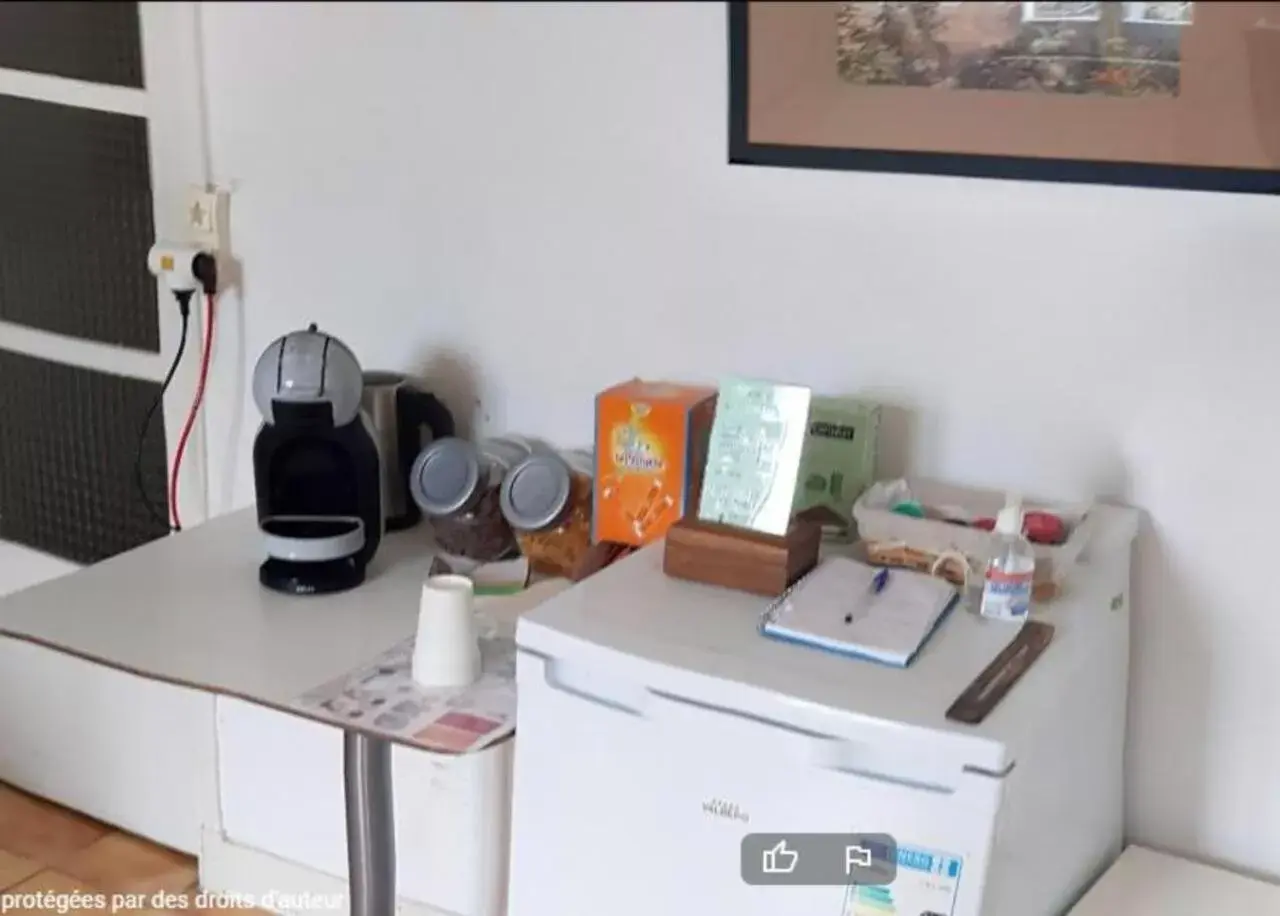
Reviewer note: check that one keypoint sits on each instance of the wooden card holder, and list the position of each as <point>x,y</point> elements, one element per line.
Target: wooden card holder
<point>744,560</point>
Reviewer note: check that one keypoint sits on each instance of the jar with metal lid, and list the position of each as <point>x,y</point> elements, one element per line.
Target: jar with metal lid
<point>457,485</point>
<point>547,499</point>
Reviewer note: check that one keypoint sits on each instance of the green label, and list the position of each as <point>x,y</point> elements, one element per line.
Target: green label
<point>839,456</point>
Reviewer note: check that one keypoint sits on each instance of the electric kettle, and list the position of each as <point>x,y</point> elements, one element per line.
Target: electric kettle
<point>405,418</point>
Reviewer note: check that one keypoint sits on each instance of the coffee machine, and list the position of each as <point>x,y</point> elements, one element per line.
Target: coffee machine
<point>316,466</point>
<point>406,418</point>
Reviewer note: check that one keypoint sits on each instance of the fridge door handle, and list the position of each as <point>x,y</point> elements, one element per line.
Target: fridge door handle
<point>562,678</point>
<point>815,748</point>
<point>904,782</point>
<point>587,697</point>
<point>773,724</point>
<point>735,732</point>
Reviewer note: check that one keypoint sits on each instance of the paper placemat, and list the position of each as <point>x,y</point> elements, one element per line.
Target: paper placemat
<point>382,697</point>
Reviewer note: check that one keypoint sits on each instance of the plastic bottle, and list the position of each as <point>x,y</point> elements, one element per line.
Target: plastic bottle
<point>1006,591</point>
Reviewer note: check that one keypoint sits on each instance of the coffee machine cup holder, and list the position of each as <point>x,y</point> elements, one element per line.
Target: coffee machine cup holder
<point>312,538</point>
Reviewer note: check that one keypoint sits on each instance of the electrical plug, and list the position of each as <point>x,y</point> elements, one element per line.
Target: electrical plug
<point>185,270</point>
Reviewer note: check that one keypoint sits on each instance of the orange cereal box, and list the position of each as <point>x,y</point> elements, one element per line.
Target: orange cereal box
<point>651,448</point>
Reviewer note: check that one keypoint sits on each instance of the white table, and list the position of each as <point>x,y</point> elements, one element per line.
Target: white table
<point>189,610</point>
<point>1147,883</point>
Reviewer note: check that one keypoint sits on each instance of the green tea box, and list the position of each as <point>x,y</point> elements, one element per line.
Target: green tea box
<point>839,462</point>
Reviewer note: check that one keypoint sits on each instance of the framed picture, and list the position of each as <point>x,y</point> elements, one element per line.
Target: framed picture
<point>1173,95</point>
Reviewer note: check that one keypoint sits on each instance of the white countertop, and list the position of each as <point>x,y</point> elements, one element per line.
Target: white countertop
<point>653,626</point>
<point>189,609</point>
<point>1147,883</point>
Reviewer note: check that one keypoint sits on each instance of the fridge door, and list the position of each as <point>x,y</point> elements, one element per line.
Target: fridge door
<point>583,819</point>
<point>636,802</point>
<point>776,779</point>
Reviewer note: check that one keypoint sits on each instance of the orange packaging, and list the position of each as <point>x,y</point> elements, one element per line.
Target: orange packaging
<point>651,449</point>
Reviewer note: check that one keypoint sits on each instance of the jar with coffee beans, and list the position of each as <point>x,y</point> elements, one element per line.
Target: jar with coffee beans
<point>457,485</point>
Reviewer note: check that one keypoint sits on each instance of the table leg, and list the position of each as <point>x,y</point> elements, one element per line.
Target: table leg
<point>371,829</point>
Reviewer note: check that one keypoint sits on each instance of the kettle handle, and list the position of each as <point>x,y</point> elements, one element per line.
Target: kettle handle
<point>415,409</point>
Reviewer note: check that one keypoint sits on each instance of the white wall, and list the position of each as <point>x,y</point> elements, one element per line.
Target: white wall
<point>533,202</point>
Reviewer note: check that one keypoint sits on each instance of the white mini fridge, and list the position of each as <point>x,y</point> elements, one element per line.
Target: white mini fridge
<point>657,727</point>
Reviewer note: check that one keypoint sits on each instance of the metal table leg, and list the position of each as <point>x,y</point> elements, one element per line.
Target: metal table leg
<point>371,829</point>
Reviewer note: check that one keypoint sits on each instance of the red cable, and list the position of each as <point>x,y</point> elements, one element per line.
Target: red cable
<point>205,353</point>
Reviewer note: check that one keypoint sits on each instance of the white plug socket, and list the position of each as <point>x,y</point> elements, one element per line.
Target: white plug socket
<point>205,217</point>
<point>175,264</point>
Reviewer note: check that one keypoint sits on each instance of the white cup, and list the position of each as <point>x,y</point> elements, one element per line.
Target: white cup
<point>446,652</point>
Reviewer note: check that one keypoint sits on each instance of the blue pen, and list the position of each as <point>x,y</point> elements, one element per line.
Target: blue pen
<point>878,583</point>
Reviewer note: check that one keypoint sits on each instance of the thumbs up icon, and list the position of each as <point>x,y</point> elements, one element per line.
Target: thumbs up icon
<point>779,860</point>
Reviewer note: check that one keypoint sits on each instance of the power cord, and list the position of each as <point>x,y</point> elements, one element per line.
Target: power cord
<point>194,411</point>
<point>184,308</point>
<point>186,271</point>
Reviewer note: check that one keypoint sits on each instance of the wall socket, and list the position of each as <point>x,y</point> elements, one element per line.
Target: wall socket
<point>205,216</point>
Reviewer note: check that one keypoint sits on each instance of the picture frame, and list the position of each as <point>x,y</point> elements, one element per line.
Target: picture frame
<point>1199,110</point>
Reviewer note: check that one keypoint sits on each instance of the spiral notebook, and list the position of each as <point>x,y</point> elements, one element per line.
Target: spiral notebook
<point>841,607</point>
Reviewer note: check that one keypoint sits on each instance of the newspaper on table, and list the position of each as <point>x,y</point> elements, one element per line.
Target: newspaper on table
<point>383,697</point>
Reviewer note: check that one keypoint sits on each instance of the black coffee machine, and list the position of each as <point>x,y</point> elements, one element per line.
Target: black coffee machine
<point>316,466</point>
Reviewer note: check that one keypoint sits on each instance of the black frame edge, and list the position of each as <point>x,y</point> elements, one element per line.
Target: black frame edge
<point>739,143</point>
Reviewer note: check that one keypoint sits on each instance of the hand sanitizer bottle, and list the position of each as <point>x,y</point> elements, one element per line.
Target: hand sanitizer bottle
<point>1006,592</point>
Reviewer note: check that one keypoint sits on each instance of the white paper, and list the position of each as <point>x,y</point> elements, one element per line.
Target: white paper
<point>499,577</point>
<point>834,607</point>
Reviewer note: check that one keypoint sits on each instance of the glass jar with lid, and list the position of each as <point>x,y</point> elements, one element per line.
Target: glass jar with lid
<point>457,485</point>
<point>547,500</point>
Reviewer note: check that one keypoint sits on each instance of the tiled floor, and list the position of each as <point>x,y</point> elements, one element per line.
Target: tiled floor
<point>86,866</point>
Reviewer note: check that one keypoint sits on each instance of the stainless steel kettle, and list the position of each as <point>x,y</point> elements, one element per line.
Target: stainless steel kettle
<point>405,418</point>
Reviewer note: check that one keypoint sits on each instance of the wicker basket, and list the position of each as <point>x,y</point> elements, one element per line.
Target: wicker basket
<point>878,523</point>
<point>950,565</point>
